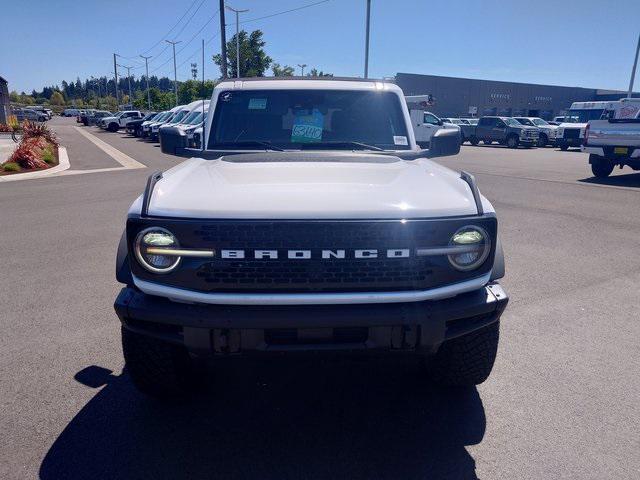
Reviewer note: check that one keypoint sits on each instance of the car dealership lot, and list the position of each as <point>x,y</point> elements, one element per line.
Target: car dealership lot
<point>561,401</point>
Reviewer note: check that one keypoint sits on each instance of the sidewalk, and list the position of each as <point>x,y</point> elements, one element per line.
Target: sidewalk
<point>7,146</point>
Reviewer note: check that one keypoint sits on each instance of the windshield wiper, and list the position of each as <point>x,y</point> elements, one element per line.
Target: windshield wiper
<point>362,146</point>
<point>250,143</point>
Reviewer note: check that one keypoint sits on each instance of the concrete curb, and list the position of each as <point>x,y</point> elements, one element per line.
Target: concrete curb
<point>63,164</point>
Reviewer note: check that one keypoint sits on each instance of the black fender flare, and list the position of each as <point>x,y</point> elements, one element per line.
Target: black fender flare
<point>123,272</point>
<point>497,271</point>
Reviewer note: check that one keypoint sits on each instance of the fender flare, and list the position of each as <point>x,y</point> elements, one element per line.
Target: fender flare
<point>123,272</point>
<point>497,271</point>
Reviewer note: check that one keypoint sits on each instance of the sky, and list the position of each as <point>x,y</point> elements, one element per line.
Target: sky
<point>586,43</point>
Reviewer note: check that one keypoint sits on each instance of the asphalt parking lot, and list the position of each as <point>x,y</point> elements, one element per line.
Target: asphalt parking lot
<point>562,401</point>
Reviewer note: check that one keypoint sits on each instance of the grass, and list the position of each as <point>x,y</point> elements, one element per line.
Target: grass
<point>11,167</point>
<point>47,156</point>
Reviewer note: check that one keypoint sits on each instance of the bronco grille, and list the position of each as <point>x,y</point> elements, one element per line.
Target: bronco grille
<point>314,274</point>
<point>571,133</point>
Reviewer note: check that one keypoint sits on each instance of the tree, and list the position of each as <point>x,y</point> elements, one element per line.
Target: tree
<point>254,61</point>
<point>14,97</point>
<point>282,71</point>
<point>314,72</point>
<point>57,99</point>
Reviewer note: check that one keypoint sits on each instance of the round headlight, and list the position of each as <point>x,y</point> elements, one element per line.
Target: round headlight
<point>473,244</point>
<point>149,245</point>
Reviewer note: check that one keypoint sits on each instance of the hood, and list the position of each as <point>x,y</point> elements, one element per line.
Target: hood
<point>310,185</point>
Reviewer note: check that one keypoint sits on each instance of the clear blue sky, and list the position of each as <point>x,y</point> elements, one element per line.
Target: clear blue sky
<point>587,43</point>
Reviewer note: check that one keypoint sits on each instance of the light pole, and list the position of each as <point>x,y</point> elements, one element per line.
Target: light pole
<point>115,71</point>
<point>146,64</point>
<point>223,41</point>
<point>633,72</point>
<point>237,12</point>
<point>366,42</point>
<point>129,81</point>
<point>175,70</point>
<point>302,68</point>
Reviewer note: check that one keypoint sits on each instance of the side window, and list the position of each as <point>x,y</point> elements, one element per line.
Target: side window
<point>430,118</point>
<point>499,123</point>
<point>486,122</point>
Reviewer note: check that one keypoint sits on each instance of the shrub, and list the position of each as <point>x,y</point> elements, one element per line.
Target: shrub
<point>27,155</point>
<point>47,155</point>
<point>38,130</point>
<point>11,167</point>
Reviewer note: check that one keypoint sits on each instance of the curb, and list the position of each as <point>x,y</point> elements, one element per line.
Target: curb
<point>63,164</point>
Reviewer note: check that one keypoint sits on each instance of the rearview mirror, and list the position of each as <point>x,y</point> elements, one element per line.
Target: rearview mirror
<point>445,142</point>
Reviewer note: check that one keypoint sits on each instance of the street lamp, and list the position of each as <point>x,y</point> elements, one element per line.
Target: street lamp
<point>175,71</point>
<point>128,81</point>
<point>237,12</point>
<point>302,68</point>
<point>366,45</point>
<point>146,64</point>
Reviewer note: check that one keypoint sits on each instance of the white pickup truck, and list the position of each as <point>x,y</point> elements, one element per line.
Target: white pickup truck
<point>425,123</point>
<point>614,141</point>
<point>120,120</point>
<point>571,131</point>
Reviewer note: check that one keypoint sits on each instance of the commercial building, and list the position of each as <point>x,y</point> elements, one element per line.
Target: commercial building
<point>5,110</point>
<point>463,97</point>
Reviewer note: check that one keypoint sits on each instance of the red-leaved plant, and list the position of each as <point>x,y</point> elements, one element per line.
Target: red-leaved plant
<point>38,130</point>
<point>5,128</point>
<point>27,155</point>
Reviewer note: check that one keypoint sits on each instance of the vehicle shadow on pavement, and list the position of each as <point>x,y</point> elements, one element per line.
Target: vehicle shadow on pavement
<point>628,180</point>
<point>331,418</point>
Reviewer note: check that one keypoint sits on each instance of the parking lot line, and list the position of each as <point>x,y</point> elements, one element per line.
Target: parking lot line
<point>122,158</point>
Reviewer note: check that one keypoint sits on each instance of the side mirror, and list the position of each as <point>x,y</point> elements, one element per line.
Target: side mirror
<point>445,142</point>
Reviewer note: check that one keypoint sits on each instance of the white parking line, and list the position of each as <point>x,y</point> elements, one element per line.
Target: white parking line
<point>122,158</point>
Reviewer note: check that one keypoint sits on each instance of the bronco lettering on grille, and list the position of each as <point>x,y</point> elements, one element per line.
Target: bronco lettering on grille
<point>308,254</point>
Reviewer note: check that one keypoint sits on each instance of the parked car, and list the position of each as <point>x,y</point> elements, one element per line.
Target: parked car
<point>174,137</point>
<point>70,112</point>
<point>96,116</point>
<point>113,124</point>
<point>471,121</point>
<point>505,131</point>
<point>155,125</point>
<point>324,228</point>
<point>614,141</point>
<point>85,114</point>
<point>30,115</point>
<point>466,129</point>
<point>572,129</point>
<point>134,127</point>
<point>47,112</point>
<point>547,131</point>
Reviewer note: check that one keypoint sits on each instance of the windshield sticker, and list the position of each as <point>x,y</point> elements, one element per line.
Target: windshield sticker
<point>257,103</point>
<point>307,127</point>
<point>225,96</point>
<point>400,140</point>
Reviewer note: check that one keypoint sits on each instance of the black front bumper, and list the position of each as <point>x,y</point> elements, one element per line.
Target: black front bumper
<point>225,329</point>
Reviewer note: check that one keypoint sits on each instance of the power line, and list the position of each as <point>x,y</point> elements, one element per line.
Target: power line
<point>172,28</point>
<point>283,12</point>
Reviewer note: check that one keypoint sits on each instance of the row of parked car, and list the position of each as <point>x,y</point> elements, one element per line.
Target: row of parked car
<point>178,128</point>
<point>33,114</point>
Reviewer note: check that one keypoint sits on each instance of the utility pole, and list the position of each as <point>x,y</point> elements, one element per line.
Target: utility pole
<point>223,40</point>
<point>204,117</point>
<point>237,12</point>
<point>302,68</point>
<point>115,70</point>
<point>633,72</point>
<point>146,64</point>
<point>175,70</point>
<point>366,42</point>
<point>128,81</point>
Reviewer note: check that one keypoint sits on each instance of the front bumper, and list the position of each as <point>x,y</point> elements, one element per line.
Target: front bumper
<point>205,330</point>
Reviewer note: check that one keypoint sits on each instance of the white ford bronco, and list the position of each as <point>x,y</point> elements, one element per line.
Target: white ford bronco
<point>310,222</point>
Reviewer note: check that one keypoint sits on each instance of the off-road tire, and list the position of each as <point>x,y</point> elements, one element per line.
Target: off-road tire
<point>564,147</point>
<point>159,369</point>
<point>512,141</point>
<point>543,140</point>
<point>600,167</point>
<point>466,360</point>
<point>112,127</point>
<point>474,140</point>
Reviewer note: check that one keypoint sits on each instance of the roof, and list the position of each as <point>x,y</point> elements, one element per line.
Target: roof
<point>2,79</point>
<point>342,79</point>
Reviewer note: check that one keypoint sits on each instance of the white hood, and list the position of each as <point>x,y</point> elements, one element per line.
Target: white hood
<point>328,185</point>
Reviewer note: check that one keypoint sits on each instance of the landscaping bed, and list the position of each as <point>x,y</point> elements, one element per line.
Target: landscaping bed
<point>37,150</point>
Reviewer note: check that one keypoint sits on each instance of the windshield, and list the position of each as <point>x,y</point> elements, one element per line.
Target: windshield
<point>582,116</point>
<point>150,116</point>
<point>119,114</point>
<point>298,119</point>
<point>472,121</point>
<point>179,116</point>
<point>455,121</point>
<point>525,121</point>
<point>538,122</point>
<point>512,122</point>
<point>193,118</point>
<point>161,117</point>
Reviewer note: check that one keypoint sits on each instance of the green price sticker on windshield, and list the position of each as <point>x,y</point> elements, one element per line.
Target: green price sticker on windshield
<point>307,127</point>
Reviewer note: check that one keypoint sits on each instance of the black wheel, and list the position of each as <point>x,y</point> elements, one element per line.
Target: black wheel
<point>112,127</point>
<point>487,142</point>
<point>462,140</point>
<point>158,369</point>
<point>543,140</point>
<point>466,360</point>
<point>600,167</point>
<point>564,147</point>
<point>474,140</point>
<point>512,141</point>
